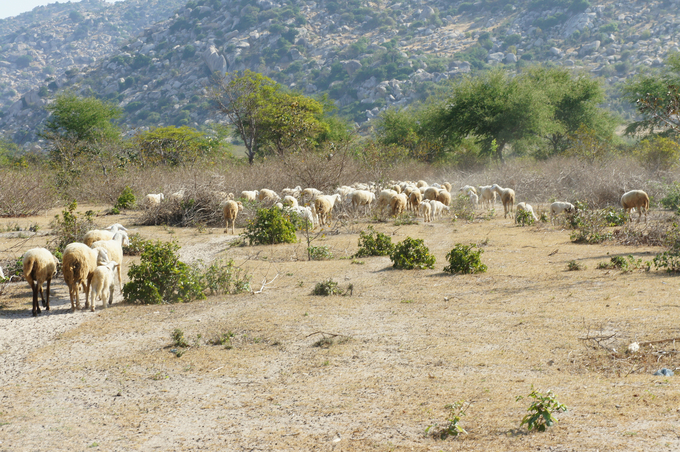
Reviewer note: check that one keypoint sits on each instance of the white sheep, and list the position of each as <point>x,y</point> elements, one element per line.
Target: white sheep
<point>398,204</point>
<point>638,200</point>
<point>310,194</point>
<point>385,200</point>
<point>39,266</point>
<point>431,193</point>
<point>324,210</point>
<point>522,206</point>
<point>102,284</point>
<point>178,196</point>
<point>507,197</point>
<point>438,208</point>
<point>250,195</point>
<point>230,210</point>
<point>294,192</point>
<point>79,262</point>
<point>558,208</point>
<point>114,248</point>
<point>102,234</point>
<point>487,196</point>
<point>467,189</point>
<point>421,183</point>
<point>289,201</point>
<point>474,199</point>
<point>362,198</point>
<point>425,209</point>
<point>304,212</point>
<point>447,186</point>
<point>153,200</point>
<point>268,197</point>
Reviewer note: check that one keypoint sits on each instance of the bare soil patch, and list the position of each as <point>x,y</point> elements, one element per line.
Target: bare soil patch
<point>411,342</point>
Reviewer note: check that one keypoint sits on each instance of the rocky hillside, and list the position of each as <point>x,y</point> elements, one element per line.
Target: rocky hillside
<point>367,55</point>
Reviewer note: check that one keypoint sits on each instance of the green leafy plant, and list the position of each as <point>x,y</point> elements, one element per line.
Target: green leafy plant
<point>126,200</point>
<point>668,260</point>
<point>590,226</point>
<point>269,227</point>
<point>161,277</point>
<point>452,426</point>
<point>71,227</point>
<point>178,338</point>
<point>325,288</point>
<point>405,219</point>
<point>672,199</point>
<point>410,254</point>
<point>626,264</point>
<point>373,243</point>
<point>575,266</point>
<point>136,246</point>
<point>541,410</point>
<point>614,217</point>
<point>319,253</point>
<point>465,259</point>
<point>524,218</point>
<point>225,278</point>
<point>462,208</point>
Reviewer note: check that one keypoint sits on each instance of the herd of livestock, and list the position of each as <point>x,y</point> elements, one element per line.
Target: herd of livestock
<point>94,264</point>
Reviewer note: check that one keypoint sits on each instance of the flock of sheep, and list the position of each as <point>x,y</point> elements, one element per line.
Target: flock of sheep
<point>94,264</point>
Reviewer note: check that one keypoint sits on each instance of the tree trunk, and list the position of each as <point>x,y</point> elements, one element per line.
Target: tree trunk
<point>499,151</point>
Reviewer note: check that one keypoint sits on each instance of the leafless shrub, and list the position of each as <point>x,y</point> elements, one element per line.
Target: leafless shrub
<point>25,192</point>
<point>200,206</point>
<point>322,169</point>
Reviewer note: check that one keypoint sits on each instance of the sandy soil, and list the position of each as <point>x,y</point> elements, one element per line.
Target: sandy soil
<point>407,344</point>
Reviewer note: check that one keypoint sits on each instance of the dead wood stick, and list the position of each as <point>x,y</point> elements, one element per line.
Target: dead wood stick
<point>325,333</point>
<point>660,341</point>
<point>596,338</point>
<point>265,283</point>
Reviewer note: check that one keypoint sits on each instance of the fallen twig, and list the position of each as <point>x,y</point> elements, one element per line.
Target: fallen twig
<point>660,341</point>
<point>324,333</point>
<point>265,283</point>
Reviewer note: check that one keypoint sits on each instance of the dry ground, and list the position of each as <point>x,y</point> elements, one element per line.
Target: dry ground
<point>412,342</point>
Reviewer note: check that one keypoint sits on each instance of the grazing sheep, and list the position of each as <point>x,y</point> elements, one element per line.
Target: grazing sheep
<point>114,248</point>
<point>558,208</point>
<point>474,199</point>
<point>396,188</point>
<point>636,199</point>
<point>294,192</point>
<point>487,195</point>
<point>102,234</point>
<point>467,189</point>
<point>78,264</point>
<point>102,284</point>
<point>447,186</point>
<point>39,266</point>
<point>289,201</point>
<point>430,193</point>
<point>324,210</point>
<point>304,212</point>
<point>385,200</point>
<point>250,195</point>
<point>507,197</point>
<point>438,208</point>
<point>414,199</point>
<point>362,198</point>
<point>444,197</point>
<point>230,210</point>
<point>421,183</point>
<point>398,204</point>
<point>310,194</point>
<point>425,209</point>
<point>152,200</point>
<point>268,197</point>
<point>178,196</point>
<point>522,206</point>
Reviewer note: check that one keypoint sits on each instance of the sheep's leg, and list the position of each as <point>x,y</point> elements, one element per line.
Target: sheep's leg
<point>34,289</point>
<point>47,303</point>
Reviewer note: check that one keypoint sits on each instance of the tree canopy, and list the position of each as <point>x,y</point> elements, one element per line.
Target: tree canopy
<point>82,119</point>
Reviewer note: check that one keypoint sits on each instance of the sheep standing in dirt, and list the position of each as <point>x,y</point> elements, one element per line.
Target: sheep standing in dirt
<point>178,196</point>
<point>114,248</point>
<point>289,201</point>
<point>384,200</point>
<point>39,266</point>
<point>414,199</point>
<point>310,194</point>
<point>78,264</point>
<point>522,206</point>
<point>268,197</point>
<point>558,208</point>
<point>398,204</point>
<point>102,285</point>
<point>324,210</point>
<point>438,208</point>
<point>230,210</point>
<point>636,199</point>
<point>444,197</point>
<point>102,234</point>
<point>425,210</point>
<point>362,198</point>
<point>507,198</point>
<point>487,196</point>
<point>474,199</point>
<point>430,193</point>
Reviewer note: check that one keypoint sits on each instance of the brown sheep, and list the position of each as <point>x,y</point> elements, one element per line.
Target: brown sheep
<point>444,197</point>
<point>507,197</point>
<point>398,204</point>
<point>39,266</point>
<point>230,210</point>
<point>636,199</point>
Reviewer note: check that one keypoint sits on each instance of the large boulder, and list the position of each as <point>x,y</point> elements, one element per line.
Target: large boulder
<point>215,61</point>
<point>589,48</point>
<point>351,66</point>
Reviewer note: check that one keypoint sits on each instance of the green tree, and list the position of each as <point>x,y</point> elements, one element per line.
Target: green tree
<point>412,128</point>
<point>656,98</point>
<point>174,145</point>
<point>498,109</point>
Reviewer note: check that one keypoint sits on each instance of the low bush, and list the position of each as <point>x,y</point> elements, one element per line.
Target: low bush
<point>541,410</point>
<point>319,253</point>
<point>410,254</point>
<point>621,263</point>
<point>136,246</point>
<point>225,278</point>
<point>325,288</point>
<point>161,277</point>
<point>462,209</point>
<point>590,227</point>
<point>524,218</point>
<point>465,259</point>
<point>575,266</point>
<point>668,260</point>
<point>70,227</point>
<point>200,206</point>
<point>373,243</point>
<point>126,200</point>
<point>672,199</point>
<point>269,227</point>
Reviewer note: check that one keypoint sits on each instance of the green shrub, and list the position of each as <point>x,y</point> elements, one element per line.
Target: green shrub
<point>590,226</point>
<point>225,278</point>
<point>126,200</point>
<point>462,208</point>
<point>70,228</point>
<point>136,245</point>
<point>672,199</point>
<point>614,217</point>
<point>465,259</point>
<point>270,227</point>
<point>541,410</point>
<point>374,243</point>
<point>325,288</point>
<point>622,263</point>
<point>178,339</point>
<point>452,427</point>
<point>319,253</point>
<point>410,254</point>
<point>669,260</point>
<point>524,218</point>
<point>161,277</point>
<point>575,266</point>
